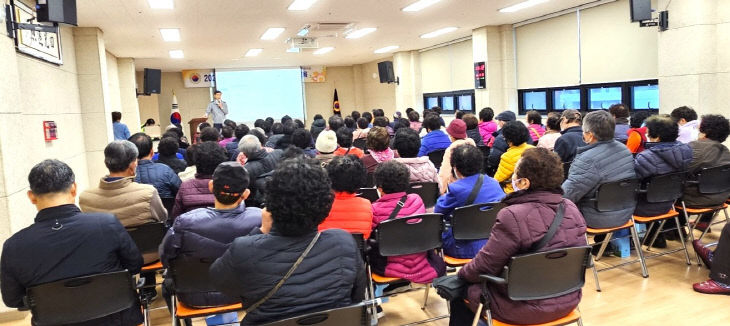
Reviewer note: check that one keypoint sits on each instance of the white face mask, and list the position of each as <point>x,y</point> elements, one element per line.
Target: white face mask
<point>515,187</point>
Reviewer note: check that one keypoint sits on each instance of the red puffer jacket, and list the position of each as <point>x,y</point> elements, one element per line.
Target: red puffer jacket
<point>350,213</point>
<point>519,225</point>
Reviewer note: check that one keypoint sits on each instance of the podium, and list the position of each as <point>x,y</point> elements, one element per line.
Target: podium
<point>194,123</point>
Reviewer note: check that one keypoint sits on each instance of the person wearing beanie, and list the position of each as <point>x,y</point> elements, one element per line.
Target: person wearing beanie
<point>326,146</point>
<point>457,133</point>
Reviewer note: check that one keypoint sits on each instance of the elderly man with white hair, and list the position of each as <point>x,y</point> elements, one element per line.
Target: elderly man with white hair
<point>258,162</point>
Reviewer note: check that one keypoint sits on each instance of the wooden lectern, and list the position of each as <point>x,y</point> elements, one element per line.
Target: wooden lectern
<point>194,123</point>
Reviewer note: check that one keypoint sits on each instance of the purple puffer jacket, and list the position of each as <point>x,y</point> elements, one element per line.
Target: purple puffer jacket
<point>523,222</point>
<point>414,267</point>
<point>193,194</point>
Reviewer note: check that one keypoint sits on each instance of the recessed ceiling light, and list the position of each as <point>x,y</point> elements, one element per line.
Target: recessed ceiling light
<point>439,32</point>
<point>387,49</point>
<point>170,34</point>
<point>272,33</point>
<point>304,31</point>
<point>177,54</point>
<point>358,33</point>
<point>419,5</point>
<point>301,4</point>
<point>161,4</point>
<point>522,5</point>
<point>324,50</point>
<point>254,52</point>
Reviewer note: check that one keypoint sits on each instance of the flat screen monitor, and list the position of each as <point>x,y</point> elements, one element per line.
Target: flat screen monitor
<point>447,103</point>
<point>566,99</point>
<point>645,97</point>
<point>535,100</point>
<point>431,102</point>
<point>603,97</point>
<point>465,103</point>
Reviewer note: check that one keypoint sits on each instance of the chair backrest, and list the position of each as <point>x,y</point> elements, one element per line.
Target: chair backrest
<point>190,275</point>
<point>148,236</point>
<point>616,195</point>
<point>485,154</point>
<point>547,274</point>
<point>351,315</point>
<point>81,299</point>
<point>437,157</point>
<point>370,194</point>
<point>475,222</point>
<point>429,192</point>
<point>409,235</point>
<point>714,180</point>
<point>370,180</point>
<point>665,187</point>
<point>360,143</point>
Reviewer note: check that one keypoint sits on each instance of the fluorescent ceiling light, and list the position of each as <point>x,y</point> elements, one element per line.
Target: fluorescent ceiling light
<point>170,34</point>
<point>522,5</point>
<point>439,32</point>
<point>303,32</point>
<point>161,4</point>
<point>358,33</point>
<point>387,49</point>
<point>324,50</point>
<point>419,5</point>
<point>254,52</point>
<point>301,4</point>
<point>272,33</point>
<point>177,54</point>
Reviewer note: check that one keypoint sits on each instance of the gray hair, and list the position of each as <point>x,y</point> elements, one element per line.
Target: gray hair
<point>249,145</point>
<point>601,124</point>
<point>50,176</point>
<point>119,154</point>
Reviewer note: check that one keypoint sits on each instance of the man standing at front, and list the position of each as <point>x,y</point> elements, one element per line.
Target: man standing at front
<point>218,109</point>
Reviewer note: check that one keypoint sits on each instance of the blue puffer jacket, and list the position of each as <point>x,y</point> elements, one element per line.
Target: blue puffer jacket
<point>658,159</point>
<point>207,233</point>
<point>161,176</point>
<point>232,149</point>
<point>567,144</point>
<point>433,141</point>
<point>598,163</point>
<point>331,276</point>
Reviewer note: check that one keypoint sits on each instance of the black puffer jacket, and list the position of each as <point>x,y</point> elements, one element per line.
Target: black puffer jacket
<point>567,144</point>
<point>257,165</point>
<point>331,276</point>
<point>658,159</point>
<point>318,126</point>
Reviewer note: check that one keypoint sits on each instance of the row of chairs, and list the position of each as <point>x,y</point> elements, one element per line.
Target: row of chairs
<point>428,191</point>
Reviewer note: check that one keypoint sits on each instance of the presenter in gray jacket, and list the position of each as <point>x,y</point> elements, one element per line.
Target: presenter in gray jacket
<point>218,109</point>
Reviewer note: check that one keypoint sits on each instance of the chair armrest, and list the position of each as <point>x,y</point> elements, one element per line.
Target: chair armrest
<point>492,279</point>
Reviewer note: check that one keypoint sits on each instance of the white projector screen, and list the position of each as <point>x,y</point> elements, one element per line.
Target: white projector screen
<point>261,93</point>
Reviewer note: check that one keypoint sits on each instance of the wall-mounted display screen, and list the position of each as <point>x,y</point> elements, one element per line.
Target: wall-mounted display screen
<point>603,97</point>
<point>645,97</point>
<point>566,99</point>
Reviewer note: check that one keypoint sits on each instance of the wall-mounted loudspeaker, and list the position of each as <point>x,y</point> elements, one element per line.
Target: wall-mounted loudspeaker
<point>385,70</point>
<point>152,81</point>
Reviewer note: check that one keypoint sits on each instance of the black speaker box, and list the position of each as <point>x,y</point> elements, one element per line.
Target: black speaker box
<point>57,11</point>
<point>152,81</point>
<point>385,70</point>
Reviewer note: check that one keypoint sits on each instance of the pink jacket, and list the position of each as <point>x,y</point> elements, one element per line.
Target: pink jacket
<point>486,129</point>
<point>421,168</point>
<point>536,131</point>
<point>414,267</point>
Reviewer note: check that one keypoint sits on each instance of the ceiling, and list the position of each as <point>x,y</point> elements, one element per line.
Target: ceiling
<point>217,33</point>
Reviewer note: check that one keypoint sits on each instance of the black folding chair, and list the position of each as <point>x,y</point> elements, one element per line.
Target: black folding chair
<point>370,194</point>
<point>350,315</point>
<point>658,189</point>
<point>361,144</point>
<point>473,222</point>
<point>429,192</point>
<point>190,275</point>
<point>613,196</point>
<point>81,299</point>
<point>437,157</point>
<point>562,271</point>
<point>148,238</point>
<point>714,180</point>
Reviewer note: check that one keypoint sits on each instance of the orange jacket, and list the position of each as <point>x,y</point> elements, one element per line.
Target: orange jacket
<point>350,213</point>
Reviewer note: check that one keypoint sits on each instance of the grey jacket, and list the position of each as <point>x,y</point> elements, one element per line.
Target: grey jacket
<point>593,165</point>
<point>217,113</point>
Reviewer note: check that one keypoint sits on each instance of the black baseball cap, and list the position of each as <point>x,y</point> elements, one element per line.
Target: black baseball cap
<point>230,178</point>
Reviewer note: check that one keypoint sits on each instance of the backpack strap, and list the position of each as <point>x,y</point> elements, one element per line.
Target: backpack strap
<point>475,191</point>
<point>398,207</point>
<point>551,231</point>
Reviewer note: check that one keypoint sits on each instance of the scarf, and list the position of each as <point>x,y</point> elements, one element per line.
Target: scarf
<point>383,156</point>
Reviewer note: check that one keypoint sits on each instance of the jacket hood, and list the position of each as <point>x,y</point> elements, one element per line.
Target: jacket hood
<point>676,154</point>
<point>319,123</point>
<point>529,196</point>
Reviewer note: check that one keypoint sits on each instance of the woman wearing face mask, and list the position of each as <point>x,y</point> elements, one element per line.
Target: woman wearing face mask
<point>530,211</point>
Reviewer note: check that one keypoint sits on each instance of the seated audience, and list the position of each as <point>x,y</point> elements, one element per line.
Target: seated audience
<point>717,261</point>
<point>326,145</point>
<point>318,125</point>
<point>288,139</point>
<point>335,122</point>
<point>208,232</point>
<point>467,161</point>
<point>161,176</point>
<point>302,138</point>
<point>500,145</point>
<point>232,147</point>
<point>516,135</point>
<point>571,135</point>
<point>194,193</point>
<point>414,120</point>
<point>620,114</point>
<point>534,125</point>
<point>392,181</point>
<point>355,115</point>
<point>209,134</point>
<point>259,162</point>
<point>167,149</point>
<point>472,129</point>
<point>407,143</point>
<point>330,275</point>
<point>686,118</point>
<point>277,132</point>
<point>349,212</point>
<point>519,226</point>
<point>636,136</point>
<point>227,136</point>
<point>487,126</point>
<point>552,133</point>
<point>196,137</point>
<point>350,124</point>
<point>603,160</point>
<point>362,129</point>
<point>435,139</point>
<point>344,141</point>
<point>458,137</point>
<point>378,142</point>
<point>369,117</point>
<point>121,132</point>
<point>64,243</point>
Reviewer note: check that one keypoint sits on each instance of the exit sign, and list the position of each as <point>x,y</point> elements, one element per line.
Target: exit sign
<point>480,75</point>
